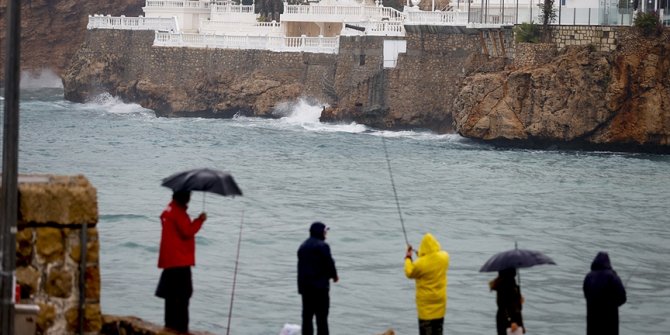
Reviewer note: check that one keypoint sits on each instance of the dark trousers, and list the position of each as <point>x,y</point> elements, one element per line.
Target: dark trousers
<point>176,287</point>
<point>176,314</point>
<point>315,303</point>
<point>431,327</point>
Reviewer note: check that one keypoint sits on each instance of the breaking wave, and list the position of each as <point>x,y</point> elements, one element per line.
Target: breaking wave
<point>45,78</point>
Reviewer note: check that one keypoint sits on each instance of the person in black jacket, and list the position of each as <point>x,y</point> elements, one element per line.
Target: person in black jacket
<point>509,301</point>
<point>604,293</point>
<point>315,269</point>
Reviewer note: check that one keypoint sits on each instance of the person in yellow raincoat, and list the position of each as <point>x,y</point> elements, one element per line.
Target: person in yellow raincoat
<point>430,273</point>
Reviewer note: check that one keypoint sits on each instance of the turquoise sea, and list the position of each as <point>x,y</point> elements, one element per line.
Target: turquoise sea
<point>476,199</point>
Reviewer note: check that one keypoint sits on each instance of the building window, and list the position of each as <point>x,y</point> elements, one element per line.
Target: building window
<point>361,60</point>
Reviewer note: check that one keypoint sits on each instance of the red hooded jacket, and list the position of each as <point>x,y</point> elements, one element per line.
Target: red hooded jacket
<point>177,247</point>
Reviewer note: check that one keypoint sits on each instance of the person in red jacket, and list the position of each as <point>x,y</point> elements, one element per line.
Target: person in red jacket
<point>176,256</point>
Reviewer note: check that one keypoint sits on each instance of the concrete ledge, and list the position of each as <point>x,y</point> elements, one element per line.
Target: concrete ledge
<point>60,200</point>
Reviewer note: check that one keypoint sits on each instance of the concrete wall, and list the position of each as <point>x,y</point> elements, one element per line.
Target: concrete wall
<point>53,210</point>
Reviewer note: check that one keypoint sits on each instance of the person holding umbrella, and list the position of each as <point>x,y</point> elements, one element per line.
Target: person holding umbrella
<point>508,292</point>
<point>430,273</point>
<point>176,257</point>
<point>509,301</point>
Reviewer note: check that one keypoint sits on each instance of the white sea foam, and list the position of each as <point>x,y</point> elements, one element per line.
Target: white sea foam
<point>45,78</point>
<point>306,114</point>
<point>114,105</point>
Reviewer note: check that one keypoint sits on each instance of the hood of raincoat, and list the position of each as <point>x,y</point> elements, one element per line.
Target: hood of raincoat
<point>601,262</point>
<point>428,245</point>
<point>429,271</point>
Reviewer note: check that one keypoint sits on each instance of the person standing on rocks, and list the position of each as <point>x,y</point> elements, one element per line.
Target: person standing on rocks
<point>176,257</point>
<point>604,293</point>
<point>315,269</point>
<point>430,273</point>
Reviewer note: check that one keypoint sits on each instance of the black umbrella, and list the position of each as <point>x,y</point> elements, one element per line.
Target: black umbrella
<point>515,259</point>
<point>207,180</point>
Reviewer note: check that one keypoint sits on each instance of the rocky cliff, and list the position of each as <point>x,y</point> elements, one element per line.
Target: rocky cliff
<point>582,98</point>
<point>52,30</point>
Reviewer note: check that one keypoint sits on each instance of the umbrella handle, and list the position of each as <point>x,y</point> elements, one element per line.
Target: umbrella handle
<point>203,201</point>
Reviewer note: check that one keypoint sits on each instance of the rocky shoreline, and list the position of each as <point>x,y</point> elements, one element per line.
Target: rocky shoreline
<point>448,81</point>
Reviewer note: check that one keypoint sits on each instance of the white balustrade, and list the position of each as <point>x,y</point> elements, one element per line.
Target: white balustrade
<point>132,23</point>
<point>230,8</point>
<point>271,43</point>
<point>340,13</point>
<point>255,28</point>
<point>177,4</point>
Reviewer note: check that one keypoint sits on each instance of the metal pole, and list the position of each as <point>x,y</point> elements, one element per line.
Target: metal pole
<point>10,162</point>
<point>468,11</point>
<point>83,241</point>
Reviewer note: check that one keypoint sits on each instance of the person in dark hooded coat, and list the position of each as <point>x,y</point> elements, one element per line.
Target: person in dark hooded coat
<point>315,269</point>
<point>604,293</point>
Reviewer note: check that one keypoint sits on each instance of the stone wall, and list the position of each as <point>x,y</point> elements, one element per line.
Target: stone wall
<point>603,38</point>
<point>418,92</point>
<point>533,54</point>
<point>53,210</point>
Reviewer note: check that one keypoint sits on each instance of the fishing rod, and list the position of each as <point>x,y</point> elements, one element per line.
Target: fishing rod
<point>237,262</point>
<point>395,193</point>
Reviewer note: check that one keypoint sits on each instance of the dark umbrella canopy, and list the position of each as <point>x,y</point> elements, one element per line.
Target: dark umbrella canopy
<point>207,180</point>
<point>515,258</point>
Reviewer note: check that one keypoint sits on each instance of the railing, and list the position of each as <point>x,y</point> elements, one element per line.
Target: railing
<point>271,43</point>
<point>255,28</point>
<point>437,18</point>
<point>351,13</point>
<point>232,8</point>
<point>376,28</point>
<point>177,4</point>
<point>132,23</point>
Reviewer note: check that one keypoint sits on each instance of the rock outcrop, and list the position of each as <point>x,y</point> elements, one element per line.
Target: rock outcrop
<point>191,82</point>
<point>580,99</point>
<point>51,31</point>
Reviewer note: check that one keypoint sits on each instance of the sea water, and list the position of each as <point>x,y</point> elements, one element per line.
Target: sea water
<point>476,199</point>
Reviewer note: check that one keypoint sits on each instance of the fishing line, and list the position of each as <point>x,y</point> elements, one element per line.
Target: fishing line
<point>237,262</point>
<point>395,193</point>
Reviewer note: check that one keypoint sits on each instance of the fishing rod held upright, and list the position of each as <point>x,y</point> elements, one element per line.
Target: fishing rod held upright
<point>395,193</point>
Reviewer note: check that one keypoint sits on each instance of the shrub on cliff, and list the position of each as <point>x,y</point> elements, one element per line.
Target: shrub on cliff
<point>648,23</point>
<point>526,33</point>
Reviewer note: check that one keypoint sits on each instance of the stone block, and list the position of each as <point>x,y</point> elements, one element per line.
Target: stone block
<point>93,283</point>
<point>50,245</point>
<point>59,283</point>
<point>46,317</point>
<point>57,199</point>
<point>92,246</point>
<point>24,246</point>
<point>92,318</point>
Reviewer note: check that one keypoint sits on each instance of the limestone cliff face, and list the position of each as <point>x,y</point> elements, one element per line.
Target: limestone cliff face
<point>617,100</point>
<point>51,31</point>
<point>189,81</point>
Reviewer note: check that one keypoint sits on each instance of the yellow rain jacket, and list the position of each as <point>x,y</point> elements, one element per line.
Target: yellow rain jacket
<point>430,272</point>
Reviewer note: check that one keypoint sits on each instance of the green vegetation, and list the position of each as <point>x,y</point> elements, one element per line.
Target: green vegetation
<point>547,15</point>
<point>648,23</point>
<point>527,33</point>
